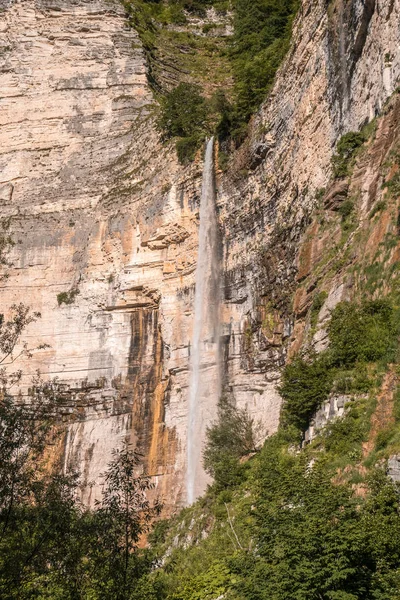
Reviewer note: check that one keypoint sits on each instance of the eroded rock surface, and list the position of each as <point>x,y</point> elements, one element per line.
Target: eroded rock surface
<point>100,206</point>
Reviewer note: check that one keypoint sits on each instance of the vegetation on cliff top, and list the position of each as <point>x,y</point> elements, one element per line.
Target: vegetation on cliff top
<point>241,66</point>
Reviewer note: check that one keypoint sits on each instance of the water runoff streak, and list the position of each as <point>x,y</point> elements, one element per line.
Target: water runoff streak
<point>205,373</point>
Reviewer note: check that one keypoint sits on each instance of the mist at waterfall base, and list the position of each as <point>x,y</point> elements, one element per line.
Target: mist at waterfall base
<point>205,371</point>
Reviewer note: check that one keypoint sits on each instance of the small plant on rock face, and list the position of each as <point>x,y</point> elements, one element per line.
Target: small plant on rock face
<point>318,302</point>
<point>346,208</point>
<point>67,297</point>
<point>379,206</point>
<point>346,150</point>
<point>6,243</point>
<point>393,185</point>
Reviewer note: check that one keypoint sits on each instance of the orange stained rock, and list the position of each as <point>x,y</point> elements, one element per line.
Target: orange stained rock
<point>307,252</point>
<point>299,301</point>
<point>297,339</point>
<point>383,416</point>
<point>378,233</point>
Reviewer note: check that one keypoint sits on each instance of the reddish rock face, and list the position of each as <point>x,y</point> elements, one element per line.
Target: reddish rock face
<point>99,205</point>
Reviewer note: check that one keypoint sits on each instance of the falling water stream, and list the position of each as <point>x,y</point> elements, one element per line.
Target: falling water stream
<point>205,373</point>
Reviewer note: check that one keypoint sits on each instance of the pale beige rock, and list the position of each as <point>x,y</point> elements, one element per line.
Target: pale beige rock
<point>98,204</point>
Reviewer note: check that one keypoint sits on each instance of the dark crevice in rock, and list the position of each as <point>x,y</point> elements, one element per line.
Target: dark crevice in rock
<point>361,38</point>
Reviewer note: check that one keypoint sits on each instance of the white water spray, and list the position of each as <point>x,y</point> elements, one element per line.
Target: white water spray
<point>205,382</point>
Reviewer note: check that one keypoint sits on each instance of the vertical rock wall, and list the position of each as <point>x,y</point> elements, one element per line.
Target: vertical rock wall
<point>100,207</point>
<point>343,64</point>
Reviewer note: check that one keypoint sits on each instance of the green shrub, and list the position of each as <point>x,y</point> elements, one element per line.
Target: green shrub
<point>358,334</point>
<point>346,150</point>
<point>383,438</point>
<point>223,160</point>
<point>393,185</point>
<point>208,27</point>
<point>176,15</point>
<point>67,297</point>
<point>342,436</point>
<point>379,206</point>
<point>318,302</point>
<point>306,383</point>
<point>232,436</point>
<point>183,111</point>
<point>353,381</point>
<point>346,208</point>
<point>362,333</point>
<point>186,149</point>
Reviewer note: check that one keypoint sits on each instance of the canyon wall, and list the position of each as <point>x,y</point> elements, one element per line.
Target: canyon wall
<point>105,220</point>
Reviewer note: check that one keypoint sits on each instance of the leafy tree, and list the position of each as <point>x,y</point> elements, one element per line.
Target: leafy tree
<point>381,520</point>
<point>37,503</point>
<point>315,539</point>
<point>50,547</point>
<point>231,437</point>
<point>306,383</point>
<point>183,111</point>
<point>365,332</point>
<point>120,521</point>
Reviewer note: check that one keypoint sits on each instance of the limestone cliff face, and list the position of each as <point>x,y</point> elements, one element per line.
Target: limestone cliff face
<point>343,64</point>
<point>99,206</point>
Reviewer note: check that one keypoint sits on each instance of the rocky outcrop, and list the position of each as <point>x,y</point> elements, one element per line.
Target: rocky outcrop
<point>100,206</point>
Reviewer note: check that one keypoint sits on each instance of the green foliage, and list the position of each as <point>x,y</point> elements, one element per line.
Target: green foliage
<point>67,297</point>
<point>37,504</point>
<point>393,185</point>
<point>262,30</point>
<point>186,149</point>
<point>318,302</point>
<point>229,439</point>
<point>186,115</point>
<point>379,206</point>
<point>306,383</point>
<point>346,208</point>
<point>343,437</point>
<point>364,333</point>
<point>183,111</point>
<point>314,538</point>
<point>311,536</point>
<point>358,334</point>
<point>346,150</point>
<point>49,546</point>
<point>353,380</point>
<point>208,585</point>
<point>122,516</point>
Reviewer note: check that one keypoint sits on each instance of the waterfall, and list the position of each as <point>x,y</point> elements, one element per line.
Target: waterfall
<point>205,375</point>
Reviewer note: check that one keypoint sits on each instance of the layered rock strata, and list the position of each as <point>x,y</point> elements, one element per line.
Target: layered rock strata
<point>104,217</point>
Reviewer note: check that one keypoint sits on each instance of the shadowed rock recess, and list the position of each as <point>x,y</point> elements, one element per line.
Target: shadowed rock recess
<point>101,210</point>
